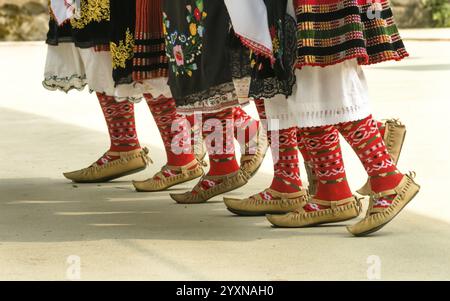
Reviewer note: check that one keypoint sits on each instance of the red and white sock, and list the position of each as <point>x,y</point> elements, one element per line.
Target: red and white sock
<point>218,130</point>
<point>365,138</point>
<point>285,153</point>
<point>119,117</point>
<point>176,143</point>
<point>245,130</point>
<point>261,108</point>
<point>304,150</point>
<point>286,161</point>
<point>325,152</point>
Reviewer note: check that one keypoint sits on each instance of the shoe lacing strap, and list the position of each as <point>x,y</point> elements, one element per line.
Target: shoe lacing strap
<point>285,198</point>
<point>397,191</point>
<point>199,188</point>
<point>202,162</point>
<point>334,205</point>
<point>124,157</point>
<point>207,192</point>
<point>183,169</point>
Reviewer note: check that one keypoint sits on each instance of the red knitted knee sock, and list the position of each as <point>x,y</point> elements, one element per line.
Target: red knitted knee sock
<point>119,117</point>
<point>176,143</point>
<point>325,151</point>
<point>245,130</point>
<point>365,139</point>
<point>286,162</point>
<point>218,131</point>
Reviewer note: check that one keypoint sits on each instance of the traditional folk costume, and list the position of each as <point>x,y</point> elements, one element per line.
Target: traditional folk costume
<point>73,62</point>
<point>139,57</point>
<point>126,55</point>
<point>273,78</point>
<point>205,60</point>
<point>334,39</point>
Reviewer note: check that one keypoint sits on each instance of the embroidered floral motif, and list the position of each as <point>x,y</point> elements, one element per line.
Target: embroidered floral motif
<point>123,52</point>
<point>276,33</point>
<point>184,48</point>
<point>91,11</point>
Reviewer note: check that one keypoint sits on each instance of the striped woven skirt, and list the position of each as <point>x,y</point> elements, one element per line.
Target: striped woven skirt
<point>332,31</point>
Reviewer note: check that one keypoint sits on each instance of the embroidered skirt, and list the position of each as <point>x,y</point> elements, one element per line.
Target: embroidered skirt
<point>88,30</point>
<point>137,41</point>
<point>204,55</point>
<point>332,31</point>
<point>79,53</point>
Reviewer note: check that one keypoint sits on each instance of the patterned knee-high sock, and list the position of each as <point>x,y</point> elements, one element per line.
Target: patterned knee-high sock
<point>302,147</point>
<point>196,134</point>
<point>119,117</point>
<point>381,128</point>
<point>218,132</point>
<point>261,110</point>
<point>286,162</point>
<point>245,129</point>
<point>326,155</point>
<point>365,139</point>
<point>285,155</point>
<point>177,144</point>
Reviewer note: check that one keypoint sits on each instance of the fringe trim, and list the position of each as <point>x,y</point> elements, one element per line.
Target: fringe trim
<point>257,48</point>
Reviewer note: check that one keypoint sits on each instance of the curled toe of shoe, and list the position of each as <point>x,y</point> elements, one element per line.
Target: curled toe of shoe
<point>274,219</point>
<point>72,175</point>
<point>351,229</point>
<point>180,198</point>
<point>229,202</point>
<point>139,185</point>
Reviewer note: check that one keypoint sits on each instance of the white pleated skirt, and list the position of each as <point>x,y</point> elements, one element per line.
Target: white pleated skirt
<point>322,96</point>
<point>68,67</point>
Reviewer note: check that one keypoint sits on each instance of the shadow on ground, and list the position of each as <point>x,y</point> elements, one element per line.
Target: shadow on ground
<point>47,210</point>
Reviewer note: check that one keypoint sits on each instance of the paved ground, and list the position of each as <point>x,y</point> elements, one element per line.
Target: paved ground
<point>119,234</point>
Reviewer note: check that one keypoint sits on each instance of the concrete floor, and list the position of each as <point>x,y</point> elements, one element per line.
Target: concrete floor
<point>122,235</point>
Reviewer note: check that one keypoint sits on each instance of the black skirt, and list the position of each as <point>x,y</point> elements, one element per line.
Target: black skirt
<point>269,80</point>
<point>137,41</point>
<point>204,55</point>
<point>91,29</point>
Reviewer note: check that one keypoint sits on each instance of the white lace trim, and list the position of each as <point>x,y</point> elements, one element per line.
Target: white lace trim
<point>65,84</point>
<point>79,83</point>
<point>318,118</point>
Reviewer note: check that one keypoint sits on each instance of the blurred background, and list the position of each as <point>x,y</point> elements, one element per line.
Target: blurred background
<point>25,20</point>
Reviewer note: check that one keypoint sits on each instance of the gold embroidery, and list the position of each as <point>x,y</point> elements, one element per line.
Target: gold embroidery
<point>91,11</point>
<point>123,52</point>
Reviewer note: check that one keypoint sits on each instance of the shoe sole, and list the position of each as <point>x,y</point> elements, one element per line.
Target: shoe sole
<point>170,186</point>
<point>387,222</point>
<point>249,213</point>
<point>108,179</point>
<point>316,224</point>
